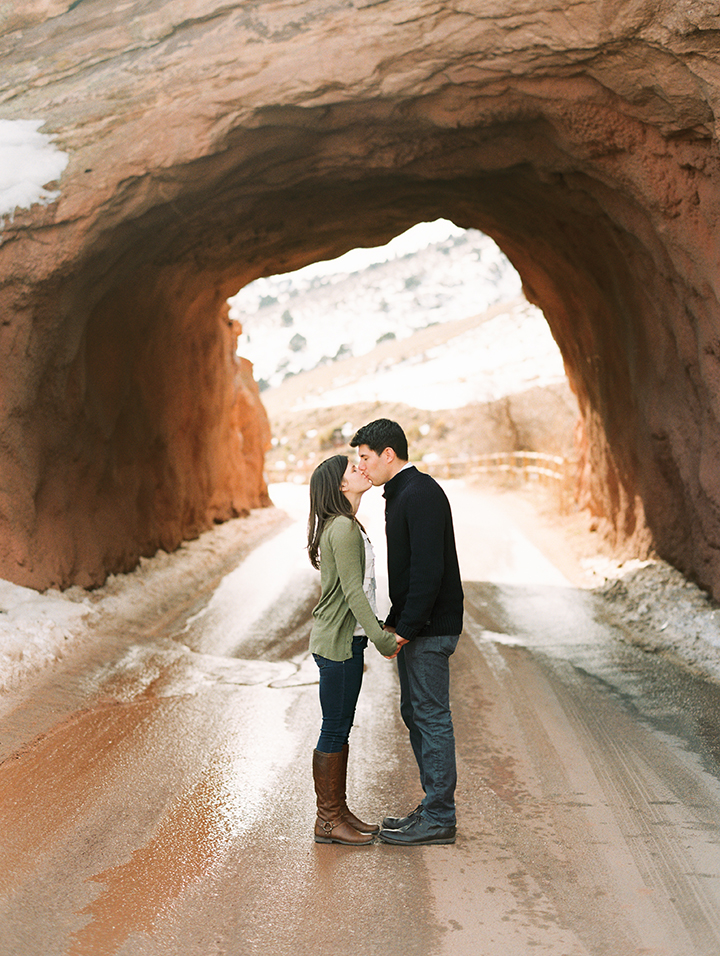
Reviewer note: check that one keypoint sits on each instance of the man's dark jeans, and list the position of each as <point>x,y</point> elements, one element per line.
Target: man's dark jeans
<point>424,671</point>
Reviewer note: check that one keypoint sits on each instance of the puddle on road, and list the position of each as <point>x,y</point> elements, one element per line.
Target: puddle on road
<point>197,830</point>
<point>193,835</point>
<point>197,769</point>
<point>46,786</point>
<point>173,670</point>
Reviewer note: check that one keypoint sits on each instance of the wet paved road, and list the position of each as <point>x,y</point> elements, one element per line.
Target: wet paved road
<point>157,799</point>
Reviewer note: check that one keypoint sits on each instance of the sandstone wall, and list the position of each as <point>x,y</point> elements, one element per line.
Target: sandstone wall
<point>210,143</point>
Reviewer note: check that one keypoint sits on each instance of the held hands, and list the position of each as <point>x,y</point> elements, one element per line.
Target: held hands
<point>400,642</point>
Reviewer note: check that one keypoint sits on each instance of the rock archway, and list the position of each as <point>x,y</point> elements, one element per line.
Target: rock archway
<point>209,144</point>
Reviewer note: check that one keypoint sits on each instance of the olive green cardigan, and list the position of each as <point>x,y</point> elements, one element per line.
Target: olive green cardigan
<point>343,602</point>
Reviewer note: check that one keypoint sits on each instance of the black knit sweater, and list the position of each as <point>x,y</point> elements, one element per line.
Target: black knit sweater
<point>424,578</point>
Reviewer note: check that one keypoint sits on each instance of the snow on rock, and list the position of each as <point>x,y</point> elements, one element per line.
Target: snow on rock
<point>29,160</point>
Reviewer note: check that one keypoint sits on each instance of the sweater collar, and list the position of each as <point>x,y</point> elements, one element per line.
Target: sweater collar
<point>398,481</point>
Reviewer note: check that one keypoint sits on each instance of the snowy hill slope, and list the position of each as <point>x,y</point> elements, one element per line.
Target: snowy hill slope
<point>481,358</point>
<point>293,323</point>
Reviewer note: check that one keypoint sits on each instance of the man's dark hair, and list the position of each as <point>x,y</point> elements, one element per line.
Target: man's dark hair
<point>382,434</point>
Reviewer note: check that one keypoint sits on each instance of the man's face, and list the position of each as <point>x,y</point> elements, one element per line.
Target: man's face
<point>376,467</point>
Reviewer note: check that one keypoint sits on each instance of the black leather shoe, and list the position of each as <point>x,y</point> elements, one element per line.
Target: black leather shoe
<point>397,823</point>
<point>421,832</point>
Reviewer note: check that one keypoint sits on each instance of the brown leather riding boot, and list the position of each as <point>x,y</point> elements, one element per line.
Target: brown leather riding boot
<point>348,814</point>
<point>331,825</point>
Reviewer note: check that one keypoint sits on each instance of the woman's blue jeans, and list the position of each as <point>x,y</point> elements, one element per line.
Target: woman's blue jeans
<point>340,683</point>
<point>424,672</point>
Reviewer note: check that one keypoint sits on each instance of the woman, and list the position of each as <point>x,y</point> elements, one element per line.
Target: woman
<point>344,619</point>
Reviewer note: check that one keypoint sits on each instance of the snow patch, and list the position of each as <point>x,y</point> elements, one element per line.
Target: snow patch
<point>415,239</point>
<point>29,160</point>
<point>35,628</point>
<point>664,611</point>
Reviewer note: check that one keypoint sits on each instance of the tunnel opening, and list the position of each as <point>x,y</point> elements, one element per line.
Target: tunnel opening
<point>428,275</point>
<point>579,267</point>
<point>431,329</point>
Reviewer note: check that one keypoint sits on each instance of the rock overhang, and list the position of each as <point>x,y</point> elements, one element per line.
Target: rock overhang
<point>226,142</point>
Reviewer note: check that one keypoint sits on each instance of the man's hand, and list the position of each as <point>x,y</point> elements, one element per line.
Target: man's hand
<point>400,642</point>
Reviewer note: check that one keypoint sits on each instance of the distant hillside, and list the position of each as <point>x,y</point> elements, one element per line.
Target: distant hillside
<point>481,358</point>
<point>296,322</point>
<point>509,358</point>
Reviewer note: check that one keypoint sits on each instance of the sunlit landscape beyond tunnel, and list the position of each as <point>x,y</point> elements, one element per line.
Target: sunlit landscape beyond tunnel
<point>205,153</point>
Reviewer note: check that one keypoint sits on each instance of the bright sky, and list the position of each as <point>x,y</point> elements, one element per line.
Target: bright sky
<point>28,161</point>
<point>418,237</point>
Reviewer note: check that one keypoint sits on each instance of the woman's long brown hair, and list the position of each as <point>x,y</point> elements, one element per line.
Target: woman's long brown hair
<point>326,501</point>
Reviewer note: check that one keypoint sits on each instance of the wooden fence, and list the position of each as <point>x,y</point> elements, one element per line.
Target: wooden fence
<point>523,465</point>
<point>526,464</point>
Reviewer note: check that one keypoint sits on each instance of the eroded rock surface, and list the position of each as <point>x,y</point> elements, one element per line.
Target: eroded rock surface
<point>210,143</point>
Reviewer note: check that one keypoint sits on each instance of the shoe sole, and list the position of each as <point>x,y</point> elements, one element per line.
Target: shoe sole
<point>441,842</point>
<point>343,842</point>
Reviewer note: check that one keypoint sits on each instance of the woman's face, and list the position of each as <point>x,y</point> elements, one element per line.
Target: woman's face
<point>354,482</point>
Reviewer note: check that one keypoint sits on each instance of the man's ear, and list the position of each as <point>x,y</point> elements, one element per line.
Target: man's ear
<point>389,455</point>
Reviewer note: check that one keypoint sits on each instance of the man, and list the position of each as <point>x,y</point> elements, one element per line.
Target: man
<point>426,615</point>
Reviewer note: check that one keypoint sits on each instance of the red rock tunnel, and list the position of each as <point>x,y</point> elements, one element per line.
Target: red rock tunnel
<point>127,424</point>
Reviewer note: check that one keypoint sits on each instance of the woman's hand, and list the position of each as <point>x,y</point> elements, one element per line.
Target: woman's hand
<point>400,642</point>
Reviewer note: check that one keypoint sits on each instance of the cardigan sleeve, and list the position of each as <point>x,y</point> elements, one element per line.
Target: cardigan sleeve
<point>349,550</point>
